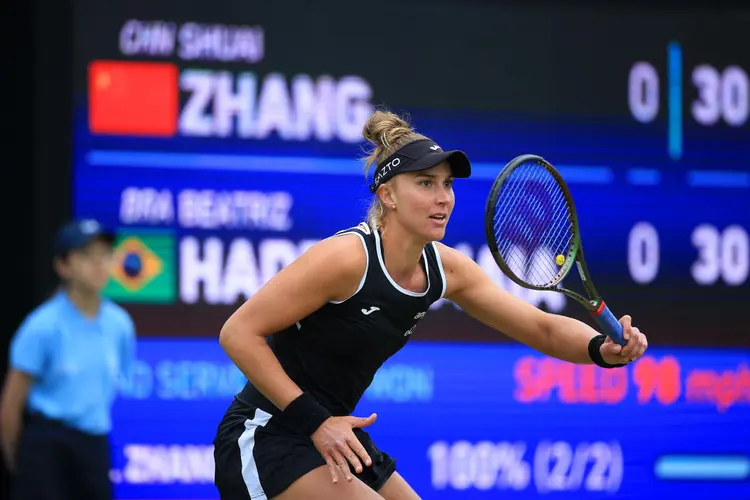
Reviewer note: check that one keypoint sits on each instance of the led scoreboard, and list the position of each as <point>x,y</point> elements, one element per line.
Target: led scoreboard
<point>235,137</point>
<point>221,140</point>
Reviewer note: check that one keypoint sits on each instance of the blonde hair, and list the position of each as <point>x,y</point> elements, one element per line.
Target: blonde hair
<point>387,132</point>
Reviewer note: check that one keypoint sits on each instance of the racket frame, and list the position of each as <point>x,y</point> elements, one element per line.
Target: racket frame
<point>594,303</point>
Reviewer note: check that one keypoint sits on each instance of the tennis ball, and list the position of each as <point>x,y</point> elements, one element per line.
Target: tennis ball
<point>560,260</point>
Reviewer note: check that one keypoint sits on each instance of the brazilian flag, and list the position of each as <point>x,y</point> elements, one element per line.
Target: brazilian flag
<point>144,268</point>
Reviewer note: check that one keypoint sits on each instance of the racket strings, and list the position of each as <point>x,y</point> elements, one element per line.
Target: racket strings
<point>532,224</point>
<point>543,269</point>
<point>515,197</point>
<point>502,209</point>
<point>559,230</point>
<point>523,190</point>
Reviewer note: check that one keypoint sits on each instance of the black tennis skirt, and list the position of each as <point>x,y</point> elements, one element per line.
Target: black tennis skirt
<point>257,455</point>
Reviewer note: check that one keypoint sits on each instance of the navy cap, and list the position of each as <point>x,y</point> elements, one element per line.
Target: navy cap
<point>78,234</point>
<point>419,155</point>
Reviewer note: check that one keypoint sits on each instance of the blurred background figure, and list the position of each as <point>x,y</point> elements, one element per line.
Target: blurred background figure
<point>65,361</point>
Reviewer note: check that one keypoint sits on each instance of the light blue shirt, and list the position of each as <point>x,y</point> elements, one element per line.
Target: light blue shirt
<point>76,361</point>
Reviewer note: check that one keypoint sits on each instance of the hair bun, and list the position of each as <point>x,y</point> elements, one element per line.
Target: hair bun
<point>386,128</point>
<point>387,132</point>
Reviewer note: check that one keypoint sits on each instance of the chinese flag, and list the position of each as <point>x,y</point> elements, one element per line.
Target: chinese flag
<point>133,98</point>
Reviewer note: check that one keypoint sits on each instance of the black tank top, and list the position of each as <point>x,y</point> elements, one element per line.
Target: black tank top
<point>334,352</point>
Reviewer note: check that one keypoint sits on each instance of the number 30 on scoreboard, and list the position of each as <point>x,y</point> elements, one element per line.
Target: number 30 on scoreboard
<point>723,255</point>
<point>723,95</point>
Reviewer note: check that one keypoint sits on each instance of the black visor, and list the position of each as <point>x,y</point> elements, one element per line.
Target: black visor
<point>419,155</point>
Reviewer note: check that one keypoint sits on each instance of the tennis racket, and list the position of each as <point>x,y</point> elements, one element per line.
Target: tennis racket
<point>532,231</point>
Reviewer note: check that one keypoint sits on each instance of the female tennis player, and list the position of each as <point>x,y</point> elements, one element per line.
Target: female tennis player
<point>311,340</point>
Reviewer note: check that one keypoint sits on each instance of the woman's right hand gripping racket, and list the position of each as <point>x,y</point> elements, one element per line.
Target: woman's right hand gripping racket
<point>532,231</point>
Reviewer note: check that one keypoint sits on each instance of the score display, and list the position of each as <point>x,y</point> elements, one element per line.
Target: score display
<point>723,256</point>
<point>715,95</point>
<point>249,151</point>
<point>476,422</point>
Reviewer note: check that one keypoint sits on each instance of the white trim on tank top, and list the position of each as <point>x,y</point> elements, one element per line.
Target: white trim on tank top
<point>440,266</point>
<point>393,282</point>
<point>367,266</point>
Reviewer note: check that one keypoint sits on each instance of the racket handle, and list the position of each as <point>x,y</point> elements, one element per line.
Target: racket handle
<point>607,321</point>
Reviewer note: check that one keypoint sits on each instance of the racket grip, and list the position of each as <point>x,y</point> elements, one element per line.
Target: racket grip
<point>607,321</point>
